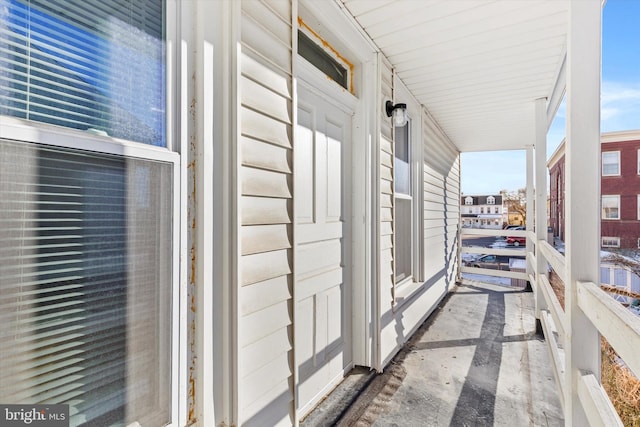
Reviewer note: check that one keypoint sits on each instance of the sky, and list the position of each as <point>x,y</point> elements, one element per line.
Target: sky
<point>620,103</point>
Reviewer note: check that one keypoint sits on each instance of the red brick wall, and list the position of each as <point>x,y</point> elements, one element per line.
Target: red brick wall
<point>627,185</point>
<point>556,198</point>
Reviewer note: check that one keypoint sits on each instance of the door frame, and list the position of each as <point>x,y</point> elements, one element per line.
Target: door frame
<point>324,99</point>
<point>335,24</point>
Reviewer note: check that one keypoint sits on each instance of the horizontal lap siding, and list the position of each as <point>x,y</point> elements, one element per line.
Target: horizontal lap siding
<point>265,301</point>
<point>441,202</point>
<point>386,191</point>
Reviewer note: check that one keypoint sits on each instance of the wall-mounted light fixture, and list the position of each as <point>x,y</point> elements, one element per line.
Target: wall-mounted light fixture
<point>399,113</point>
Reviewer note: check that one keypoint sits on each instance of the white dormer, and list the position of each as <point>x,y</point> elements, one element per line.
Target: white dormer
<point>491,200</point>
<point>468,200</point>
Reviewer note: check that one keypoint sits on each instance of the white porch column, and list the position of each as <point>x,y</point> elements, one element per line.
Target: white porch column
<point>530,206</point>
<point>541,199</point>
<point>582,345</point>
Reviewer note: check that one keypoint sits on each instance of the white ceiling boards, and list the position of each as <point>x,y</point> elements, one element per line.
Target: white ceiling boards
<point>478,66</point>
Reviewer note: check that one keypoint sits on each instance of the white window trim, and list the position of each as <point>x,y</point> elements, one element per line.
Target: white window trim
<point>619,165</point>
<point>33,132</point>
<point>468,200</point>
<point>491,200</point>
<point>612,239</point>
<point>602,206</point>
<point>404,289</point>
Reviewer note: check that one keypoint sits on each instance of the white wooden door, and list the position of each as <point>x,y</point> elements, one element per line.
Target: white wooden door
<point>322,258</point>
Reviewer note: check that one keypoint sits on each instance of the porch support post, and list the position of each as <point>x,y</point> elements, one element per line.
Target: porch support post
<point>582,344</point>
<point>530,207</point>
<point>541,201</point>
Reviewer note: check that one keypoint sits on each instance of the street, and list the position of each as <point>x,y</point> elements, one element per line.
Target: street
<point>491,242</point>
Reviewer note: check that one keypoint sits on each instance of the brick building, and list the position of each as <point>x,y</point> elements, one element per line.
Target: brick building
<point>619,189</point>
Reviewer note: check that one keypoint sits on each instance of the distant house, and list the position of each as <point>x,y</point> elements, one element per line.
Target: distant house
<point>619,188</point>
<point>482,211</point>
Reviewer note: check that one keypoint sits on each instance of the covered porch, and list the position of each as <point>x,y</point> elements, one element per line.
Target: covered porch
<point>494,80</point>
<point>478,360</point>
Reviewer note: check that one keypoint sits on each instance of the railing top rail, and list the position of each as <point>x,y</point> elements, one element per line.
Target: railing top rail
<point>555,258</point>
<point>596,403</point>
<point>492,232</point>
<point>619,326</point>
<point>493,251</point>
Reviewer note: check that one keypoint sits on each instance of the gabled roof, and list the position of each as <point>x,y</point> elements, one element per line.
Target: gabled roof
<point>477,65</point>
<point>482,200</point>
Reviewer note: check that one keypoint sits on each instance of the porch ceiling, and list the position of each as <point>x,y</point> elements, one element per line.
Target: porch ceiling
<point>477,65</point>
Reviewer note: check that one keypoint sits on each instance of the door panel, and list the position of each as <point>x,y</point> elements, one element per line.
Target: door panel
<point>322,288</point>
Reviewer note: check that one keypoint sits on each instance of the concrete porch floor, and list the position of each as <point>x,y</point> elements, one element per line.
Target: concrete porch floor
<point>476,361</point>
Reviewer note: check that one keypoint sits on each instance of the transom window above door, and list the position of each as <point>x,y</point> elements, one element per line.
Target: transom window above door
<point>324,57</point>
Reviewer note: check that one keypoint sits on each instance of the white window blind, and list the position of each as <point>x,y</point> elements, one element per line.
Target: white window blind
<point>610,163</point>
<point>85,283</point>
<point>85,64</point>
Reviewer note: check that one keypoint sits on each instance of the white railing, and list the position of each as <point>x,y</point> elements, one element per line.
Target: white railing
<point>616,324</point>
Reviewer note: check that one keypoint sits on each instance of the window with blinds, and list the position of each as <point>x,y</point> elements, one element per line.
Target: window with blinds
<point>93,65</point>
<point>403,204</point>
<point>85,283</point>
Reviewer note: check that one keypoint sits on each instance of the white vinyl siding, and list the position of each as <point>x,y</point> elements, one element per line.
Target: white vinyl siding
<point>412,303</point>
<point>442,209</point>
<point>386,187</point>
<point>265,396</point>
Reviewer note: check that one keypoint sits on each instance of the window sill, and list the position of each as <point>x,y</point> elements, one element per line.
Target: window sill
<point>405,291</point>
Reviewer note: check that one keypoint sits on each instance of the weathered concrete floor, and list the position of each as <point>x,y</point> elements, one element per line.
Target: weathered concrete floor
<point>476,362</point>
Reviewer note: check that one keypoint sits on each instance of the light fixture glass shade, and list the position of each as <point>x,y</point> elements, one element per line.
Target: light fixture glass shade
<point>400,116</point>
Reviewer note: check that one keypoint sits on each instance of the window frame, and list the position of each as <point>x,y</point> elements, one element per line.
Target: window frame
<point>491,200</point>
<point>617,153</point>
<point>403,289</point>
<point>412,197</point>
<point>602,208</point>
<point>34,132</point>
<point>615,240</point>
<point>332,54</point>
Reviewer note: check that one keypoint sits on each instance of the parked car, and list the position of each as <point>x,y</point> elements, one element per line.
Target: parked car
<point>484,261</point>
<point>514,227</point>
<point>516,241</point>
